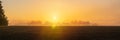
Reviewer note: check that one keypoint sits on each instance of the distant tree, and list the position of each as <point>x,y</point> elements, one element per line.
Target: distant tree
<point>3,18</point>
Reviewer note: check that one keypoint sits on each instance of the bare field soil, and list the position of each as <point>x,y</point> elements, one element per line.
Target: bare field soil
<point>59,33</point>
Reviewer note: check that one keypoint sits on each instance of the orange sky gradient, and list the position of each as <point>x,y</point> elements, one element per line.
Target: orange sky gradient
<point>102,12</point>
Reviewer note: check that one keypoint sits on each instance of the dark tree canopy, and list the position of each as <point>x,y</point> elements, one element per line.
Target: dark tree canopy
<point>3,18</point>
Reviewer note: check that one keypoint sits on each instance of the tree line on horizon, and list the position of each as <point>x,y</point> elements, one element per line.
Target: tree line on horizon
<point>73,22</point>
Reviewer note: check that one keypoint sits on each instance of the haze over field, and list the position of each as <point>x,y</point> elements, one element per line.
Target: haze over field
<point>102,12</point>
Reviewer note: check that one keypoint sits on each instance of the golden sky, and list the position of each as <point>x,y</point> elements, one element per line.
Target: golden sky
<point>103,12</point>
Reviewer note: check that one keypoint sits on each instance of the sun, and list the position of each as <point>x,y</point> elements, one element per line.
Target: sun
<point>54,21</point>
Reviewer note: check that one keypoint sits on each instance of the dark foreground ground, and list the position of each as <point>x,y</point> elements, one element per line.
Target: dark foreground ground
<point>59,33</point>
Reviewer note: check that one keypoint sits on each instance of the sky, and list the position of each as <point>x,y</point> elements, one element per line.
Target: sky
<point>102,12</point>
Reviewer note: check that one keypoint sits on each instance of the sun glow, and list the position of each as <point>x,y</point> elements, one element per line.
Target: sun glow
<point>54,20</point>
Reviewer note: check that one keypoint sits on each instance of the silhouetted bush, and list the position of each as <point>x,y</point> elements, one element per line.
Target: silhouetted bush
<point>3,18</point>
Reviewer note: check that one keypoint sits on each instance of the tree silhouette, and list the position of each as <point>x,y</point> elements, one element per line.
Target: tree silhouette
<point>3,18</point>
